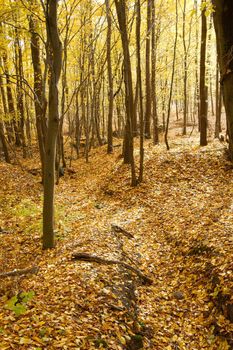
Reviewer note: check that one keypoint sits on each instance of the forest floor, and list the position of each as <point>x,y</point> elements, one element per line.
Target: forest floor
<point>180,218</point>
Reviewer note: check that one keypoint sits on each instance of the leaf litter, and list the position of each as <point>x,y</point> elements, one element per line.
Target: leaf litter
<point>180,218</point>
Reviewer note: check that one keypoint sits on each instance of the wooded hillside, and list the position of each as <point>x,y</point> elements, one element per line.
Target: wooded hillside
<point>116,134</point>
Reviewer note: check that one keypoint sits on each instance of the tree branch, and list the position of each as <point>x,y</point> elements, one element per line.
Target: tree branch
<point>92,258</point>
<point>33,270</point>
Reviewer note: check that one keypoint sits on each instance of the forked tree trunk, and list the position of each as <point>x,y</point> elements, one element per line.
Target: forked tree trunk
<point>55,61</point>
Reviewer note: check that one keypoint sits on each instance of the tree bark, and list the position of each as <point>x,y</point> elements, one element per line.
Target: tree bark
<point>2,135</point>
<point>172,80</point>
<point>203,88</point>
<point>223,14</point>
<point>185,70</point>
<point>217,104</point>
<point>39,100</point>
<point>55,62</point>
<point>4,143</point>
<point>153,76</point>
<point>19,92</point>
<point>110,79</point>
<point>10,100</point>
<point>148,73</point>
<point>139,82</point>
<point>128,140</point>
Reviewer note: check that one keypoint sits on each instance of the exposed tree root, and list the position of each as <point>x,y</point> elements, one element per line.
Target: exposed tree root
<point>33,270</point>
<point>92,258</point>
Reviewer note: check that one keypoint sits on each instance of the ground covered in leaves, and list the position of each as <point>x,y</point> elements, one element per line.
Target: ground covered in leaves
<point>180,218</point>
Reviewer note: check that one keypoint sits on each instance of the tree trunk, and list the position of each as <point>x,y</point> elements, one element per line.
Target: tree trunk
<point>223,15</point>
<point>148,73</point>
<point>139,81</point>
<point>196,94</point>
<point>217,100</point>
<point>55,62</point>
<point>153,77</point>
<point>39,100</point>
<point>172,80</point>
<point>128,140</point>
<point>110,79</point>
<point>185,70</point>
<point>203,88</point>
<point>19,91</point>
<point>4,143</point>
<point>10,99</point>
<point>5,110</point>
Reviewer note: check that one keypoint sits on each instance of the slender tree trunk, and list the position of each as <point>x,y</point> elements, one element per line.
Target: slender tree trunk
<point>55,62</point>
<point>203,88</point>
<point>185,70</point>
<point>77,126</point>
<point>139,81</point>
<point>64,97</point>
<point>19,92</point>
<point>128,140</point>
<point>110,78</point>
<point>148,73</point>
<point>39,100</point>
<point>153,77</point>
<point>208,64</point>
<point>196,98</point>
<point>5,109</point>
<point>4,143</point>
<point>172,80</point>
<point>10,99</point>
<point>217,98</point>
<point>97,114</point>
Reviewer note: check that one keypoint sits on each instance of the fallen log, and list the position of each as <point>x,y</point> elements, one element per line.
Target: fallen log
<point>92,258</point>
<point>32,270</point>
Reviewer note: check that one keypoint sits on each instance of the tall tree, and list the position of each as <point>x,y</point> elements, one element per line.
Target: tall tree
<point>39,100</point>
<point>55,64</point>
<point>110,78</point>
<point>128,139</point>
<point>19,91</point>
<point>223,14</point>
<point>185,68</point>
<point>148,73</point>
<point>153,76</point>
<point>139,82</point>
<point>172,78</point>
<point>203,87</point>
<point>4,143</point>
